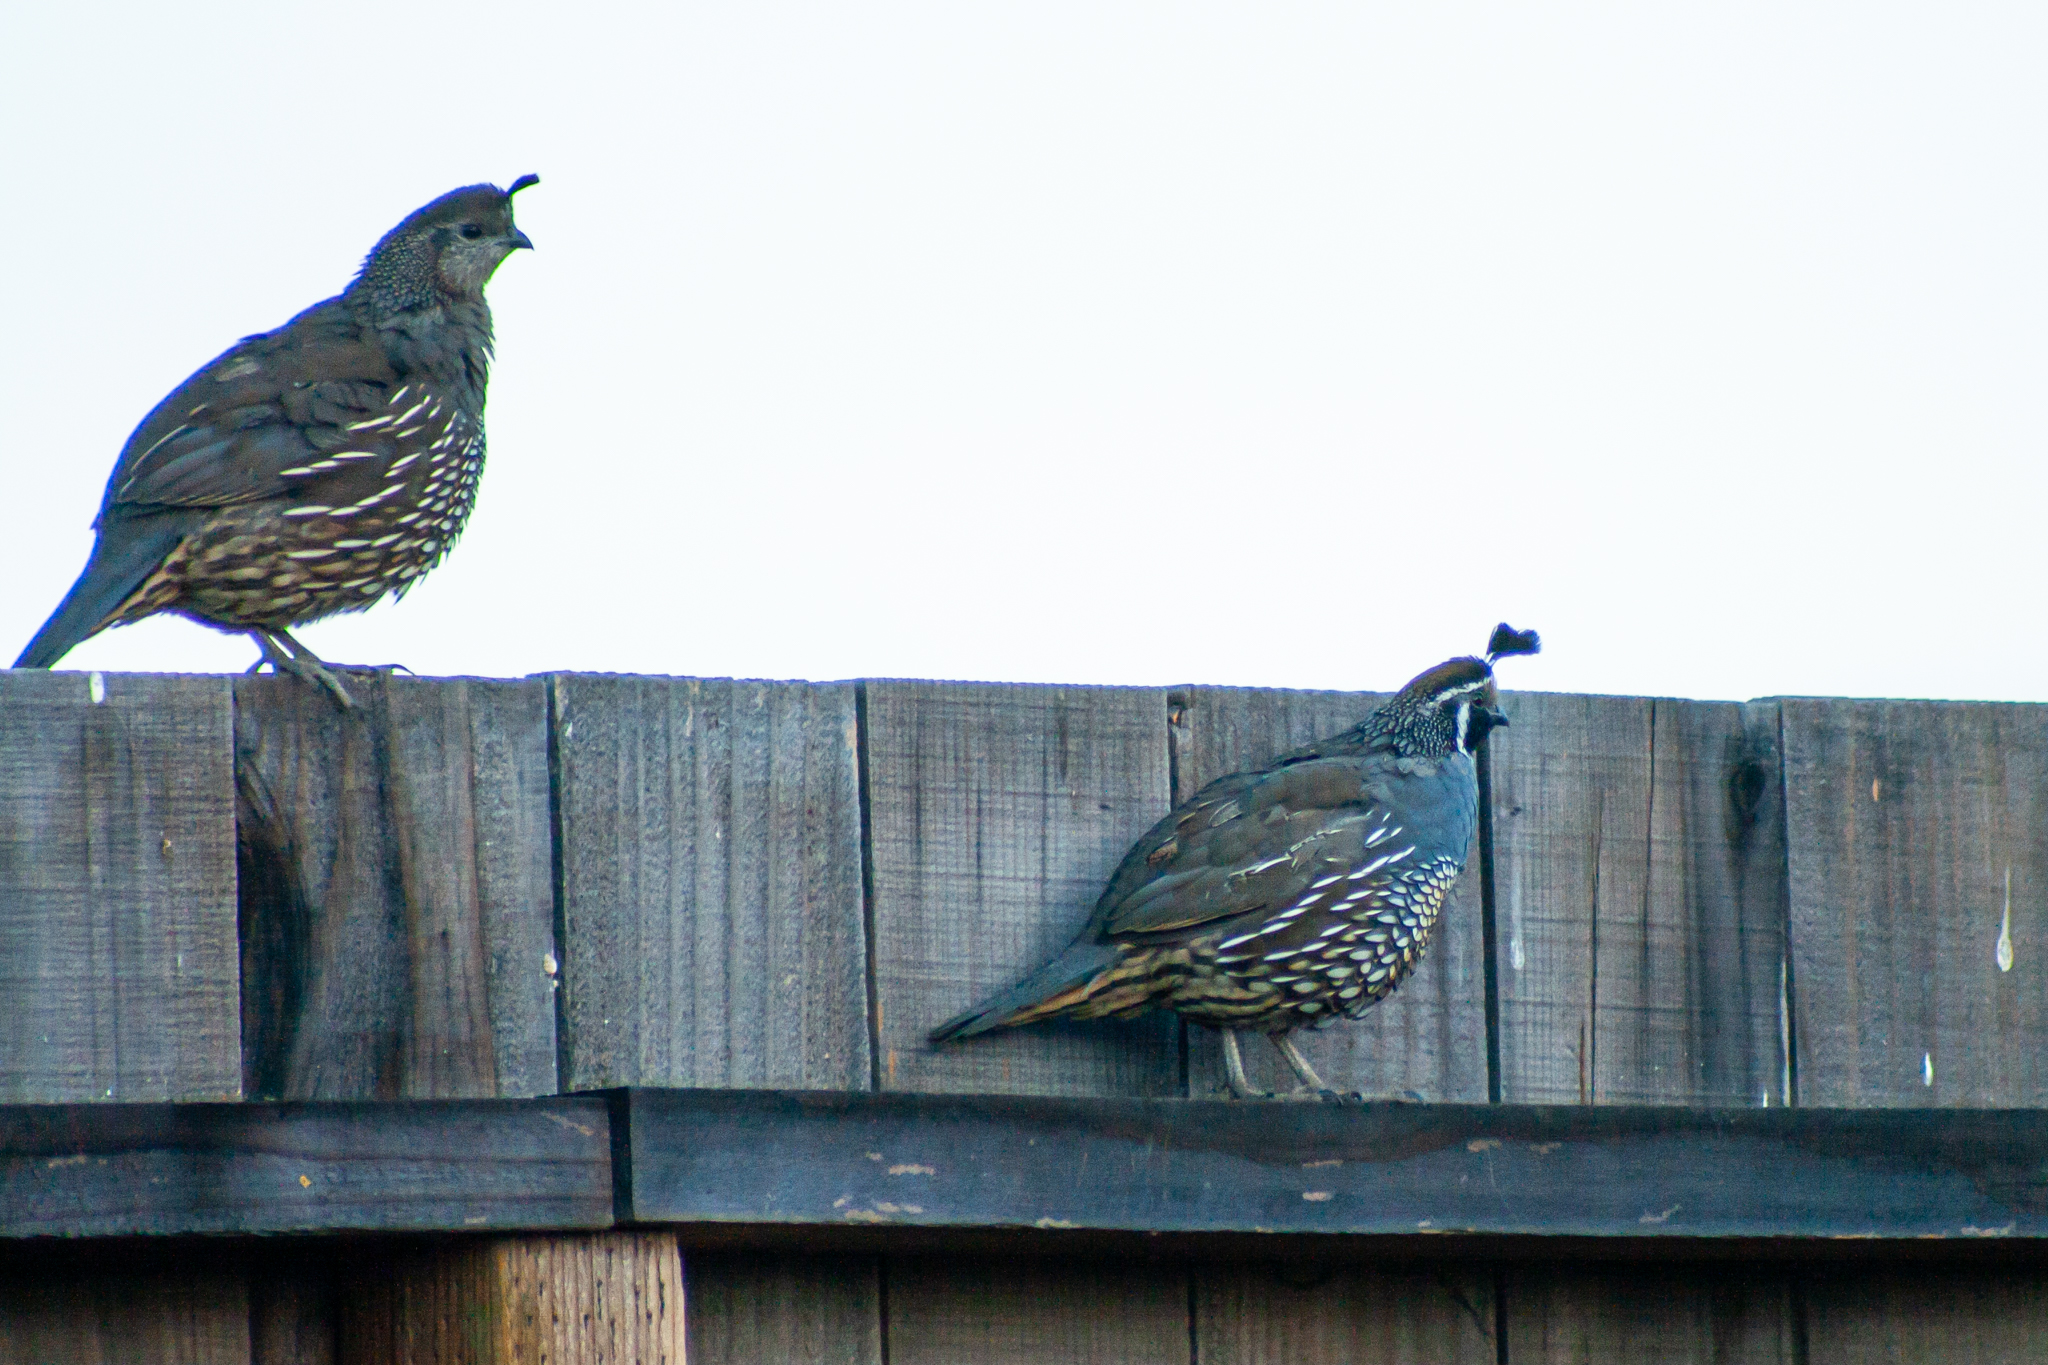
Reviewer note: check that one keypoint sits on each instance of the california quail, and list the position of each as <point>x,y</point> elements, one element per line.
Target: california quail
<point>1288,896</point>
<point>310,470</point>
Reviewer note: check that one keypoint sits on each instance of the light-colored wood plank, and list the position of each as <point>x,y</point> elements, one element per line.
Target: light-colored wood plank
<point>598,1299</point>
<point>1701,1315</point>
<point>397,889</point>
<point>1689,996</point>
<point>1342,1315</point>
<point>711,873</point>
<point>92,1317</point>
<point>996,816</point>
<point>762,1309</point>
<point>1919,872</point>
<point>1429,1037</point>
<point>117,888</point>
<point>1571,838</point>
<point>1888,1316</point>
<point>1021,1312</point>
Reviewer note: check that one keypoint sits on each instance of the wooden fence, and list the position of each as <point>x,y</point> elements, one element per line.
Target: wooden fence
<point>216,889</point>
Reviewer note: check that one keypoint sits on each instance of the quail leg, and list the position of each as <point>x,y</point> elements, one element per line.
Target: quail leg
<point>286,655</point>
<point>1240,1086</point>
<point>1284,1045</point>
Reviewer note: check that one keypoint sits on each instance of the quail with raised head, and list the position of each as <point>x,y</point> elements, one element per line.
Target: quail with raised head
<point>1292,895</point>
<point>310,470</point>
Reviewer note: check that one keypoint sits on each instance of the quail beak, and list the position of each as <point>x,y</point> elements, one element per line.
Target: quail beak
<point>1495,717</point>
<point>519,239</point>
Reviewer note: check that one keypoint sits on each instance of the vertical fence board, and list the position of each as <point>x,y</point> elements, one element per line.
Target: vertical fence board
<point>396,888</point>
<point>997,814</point>
<point>1689,990</point>
<point>1307,1315</point>
<point>1571,840</point>
<point>1023,1312</point>
<point>1919,844</point>
<point>117,889</point>
<point>751,1309</point>
<point>711,874</point>
<point>1429,1037</point>
<point>293,1316</point>
<point>1701,1315</point>
<point>1885,1316</point>
<point>86,1317</point>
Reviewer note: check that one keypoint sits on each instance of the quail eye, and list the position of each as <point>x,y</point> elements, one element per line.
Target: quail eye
<point>472,231</point>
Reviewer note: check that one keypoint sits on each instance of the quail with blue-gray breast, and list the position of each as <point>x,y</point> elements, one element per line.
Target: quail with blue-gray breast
<point>310,470</point>
<point>1292,895</point>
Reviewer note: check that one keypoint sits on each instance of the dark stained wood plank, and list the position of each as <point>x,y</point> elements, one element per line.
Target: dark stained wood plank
<point>294,1313</point>
<point>594,1299</point>
<point>191,1317</point>
<point>396,889</point>
<point>1690,990</point>
<point>1630,1174</point>
<point>1279,1314</point>
<point>1990,1316</point>
<point>1429,1038</point>
<point>711,873</point>
<point>1701,1315</point>
<point>1020,1312</point>
<point>996,815</point>
<point>437,1165</point>
<point>1919,846</point>
<point>746,1308</point>
<point>1571,839</point>
<point>117,888</point>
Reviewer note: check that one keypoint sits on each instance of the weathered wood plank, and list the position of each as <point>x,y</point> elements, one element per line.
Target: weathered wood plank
<point>746,1308</point>
<point>564,1300</point>
<point>1634,1174</point>
<point>1690,981</point>
<point>1988,1316</point>
<point>996,816</point>
<point>711,873</point>
<point>1430,1036</point>
<point>190,1317</point>
<point>117,888</point>
<point>294,1313</point>
<point>397,889</point>
<point>1919,867</point>
<point>1702,1315</point>
<point>1327,1315</point>
<point>1021,1312</point>
<point>1571,838</point>
<point>151,1169</point>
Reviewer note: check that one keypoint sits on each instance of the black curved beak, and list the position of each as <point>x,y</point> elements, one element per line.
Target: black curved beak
<point>520,240</point>
<point>1495,718</point>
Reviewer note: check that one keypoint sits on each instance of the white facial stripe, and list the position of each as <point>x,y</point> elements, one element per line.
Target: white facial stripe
<point>1464,724</point>
<point>1476,685</point>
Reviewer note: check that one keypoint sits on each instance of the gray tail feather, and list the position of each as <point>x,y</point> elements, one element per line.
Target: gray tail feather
<point>1072,967</point>
<point>114,572</point>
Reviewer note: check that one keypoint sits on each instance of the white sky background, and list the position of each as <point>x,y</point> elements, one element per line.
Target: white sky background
<point>1271,344</point>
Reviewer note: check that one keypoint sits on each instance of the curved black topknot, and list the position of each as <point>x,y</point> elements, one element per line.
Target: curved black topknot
<point>1508,641</point>
<point>521,183</point>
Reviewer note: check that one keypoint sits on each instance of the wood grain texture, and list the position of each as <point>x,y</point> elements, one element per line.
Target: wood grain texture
<point>1702,1315</point>
<point>397,889</point>
<point>1689,996</point>
<point>751,1309</point>
<point>1919,843</point>
<point>711,873</point>
<point>600,1299</point>
<point>294,1313</point>
<point>117,888</point>
<point>1990,1316</point>
<point>1014,1312</point>
<point>1309,1315</point>
<point>1429,1037</point>
<point>1571,839</point>
<point>192,1317</point>
<point>996,816</point>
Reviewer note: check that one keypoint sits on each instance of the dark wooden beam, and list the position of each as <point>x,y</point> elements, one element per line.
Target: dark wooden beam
<point>115,1170</point>
<point>1626,1175</point>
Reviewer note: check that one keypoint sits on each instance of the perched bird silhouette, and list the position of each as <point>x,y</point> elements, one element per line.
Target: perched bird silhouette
<point>1294,894</point>
<point>310,470</point>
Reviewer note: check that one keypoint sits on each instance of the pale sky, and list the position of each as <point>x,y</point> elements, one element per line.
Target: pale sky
<point>1266,344</point>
